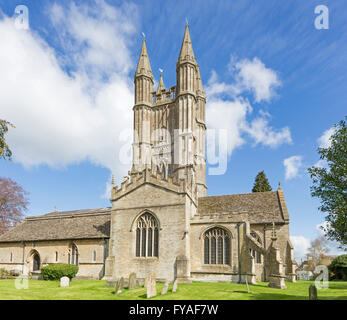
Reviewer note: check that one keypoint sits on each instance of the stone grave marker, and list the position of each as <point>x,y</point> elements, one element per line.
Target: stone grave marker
<point>175,285</point>
<point>64,282</point>
<point>132,281</point>
<point>313,292</point>
<point>151,286</point>
<point>166,286</point>
<point>119,286</point>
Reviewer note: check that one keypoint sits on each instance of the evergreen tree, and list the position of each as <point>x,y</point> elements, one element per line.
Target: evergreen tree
<point>261,183</point>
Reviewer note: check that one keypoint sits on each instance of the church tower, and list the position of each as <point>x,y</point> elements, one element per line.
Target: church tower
<point>143,81</point>
<point>169,123</point>
<point>190,104</point>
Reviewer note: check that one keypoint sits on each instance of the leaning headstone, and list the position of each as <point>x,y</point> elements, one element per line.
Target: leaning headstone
<point>116,286</point>
<point>132,281</point>
<point>64,282</point>
<point>119,286</point>
<point>166,286</point>
<point>175,285</point>
<point>313,292</point>
<point>151,286</point>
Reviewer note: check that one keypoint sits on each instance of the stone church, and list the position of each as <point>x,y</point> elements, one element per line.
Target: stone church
<point>161,222</point>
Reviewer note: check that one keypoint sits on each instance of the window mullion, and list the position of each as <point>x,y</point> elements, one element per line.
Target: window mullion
<point>140,235</point>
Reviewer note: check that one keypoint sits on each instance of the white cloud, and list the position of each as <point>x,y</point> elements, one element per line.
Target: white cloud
<point>301,245</point>
<point>255,77</point>
<point>261,132</point>
<point>324,141</point>
<point>227,108</point>
<point>216,89</point>
<point>230,115</point>
<point>62,119</point>
<point>292,166</point>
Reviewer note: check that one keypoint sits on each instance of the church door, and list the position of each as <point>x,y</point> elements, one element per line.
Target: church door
<point>36,264</point>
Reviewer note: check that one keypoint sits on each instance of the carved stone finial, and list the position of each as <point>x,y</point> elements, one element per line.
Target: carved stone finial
<point>112,180</point>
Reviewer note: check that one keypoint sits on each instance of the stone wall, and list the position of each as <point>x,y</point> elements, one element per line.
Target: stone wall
<point>172,211</point>
<point>49,251</point>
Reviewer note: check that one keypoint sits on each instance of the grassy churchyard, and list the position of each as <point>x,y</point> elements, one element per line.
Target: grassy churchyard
<point>96,290</point>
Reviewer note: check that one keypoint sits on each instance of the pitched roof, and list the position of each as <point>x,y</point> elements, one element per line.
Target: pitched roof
<point>261,207</point>
<point>79,224</point>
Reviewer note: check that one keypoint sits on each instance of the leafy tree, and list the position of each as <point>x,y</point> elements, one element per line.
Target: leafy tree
<point>319,247</point>
<point>338,267</point>
<point>261,183</point>
<point>13,202</point>
<point>5,151</point>
<point>330,185</point>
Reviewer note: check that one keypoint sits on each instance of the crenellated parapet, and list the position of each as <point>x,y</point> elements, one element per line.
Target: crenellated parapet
<point>136,179</point>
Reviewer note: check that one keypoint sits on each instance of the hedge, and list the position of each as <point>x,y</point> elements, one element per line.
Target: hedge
<point>59,270</point>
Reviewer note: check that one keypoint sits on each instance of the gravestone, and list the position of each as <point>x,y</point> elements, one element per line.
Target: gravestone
<point>64,282</point>
<point>119,286</point>
<point>312,292</point>
<point>175,285</point>
<point>132,281</point>
<point>116,286</point>
<point>151,286</point>
<point>166,286</point>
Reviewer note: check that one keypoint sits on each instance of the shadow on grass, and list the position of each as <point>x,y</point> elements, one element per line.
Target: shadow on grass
<point>338,286</point>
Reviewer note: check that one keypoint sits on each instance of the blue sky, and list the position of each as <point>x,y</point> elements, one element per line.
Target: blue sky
<point>273,80</point>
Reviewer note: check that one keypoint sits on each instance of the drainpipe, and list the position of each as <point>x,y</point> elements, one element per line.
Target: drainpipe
<point>265,252</point>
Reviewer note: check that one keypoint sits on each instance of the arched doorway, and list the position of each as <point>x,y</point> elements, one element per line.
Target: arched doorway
<point>33,261</point>
<point>36,262</point>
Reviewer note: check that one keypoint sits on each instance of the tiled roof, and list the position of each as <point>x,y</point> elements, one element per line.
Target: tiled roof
<point>79,224</point>
<point>261,207</point>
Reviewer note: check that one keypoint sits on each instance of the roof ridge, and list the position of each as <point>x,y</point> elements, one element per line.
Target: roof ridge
<point>58,214</point>
<point>238,194</point>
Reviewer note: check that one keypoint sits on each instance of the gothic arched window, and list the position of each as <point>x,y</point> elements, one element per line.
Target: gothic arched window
<point>73,255</point>
<point>216,246</point>
<point>147,236</point>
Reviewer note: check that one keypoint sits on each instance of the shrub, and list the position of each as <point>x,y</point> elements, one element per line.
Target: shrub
<point>3,273</point>
<point>338,268</point>
<point>59,270</point>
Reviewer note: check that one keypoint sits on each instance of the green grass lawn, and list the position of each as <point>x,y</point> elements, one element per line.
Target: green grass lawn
<point>96,290</point>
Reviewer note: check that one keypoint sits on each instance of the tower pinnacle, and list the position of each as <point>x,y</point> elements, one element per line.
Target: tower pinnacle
<point>161,84</point>
<point>186,52</point>
<point>143,66</point>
